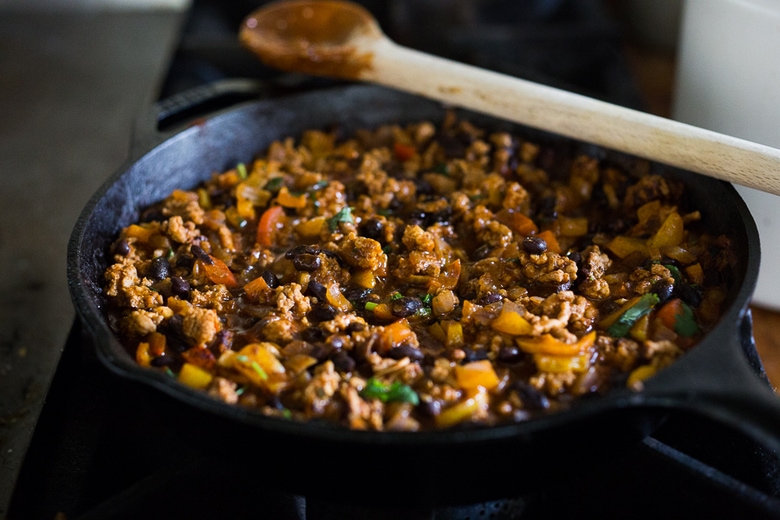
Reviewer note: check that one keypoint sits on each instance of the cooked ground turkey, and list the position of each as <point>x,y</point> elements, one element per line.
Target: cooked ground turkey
<point>413,278</point>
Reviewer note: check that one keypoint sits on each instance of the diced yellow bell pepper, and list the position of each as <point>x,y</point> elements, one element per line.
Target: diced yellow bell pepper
<point>562,364</point>
<point>194,377</point>
<point>639,375</point>
<point>364,278</point>
<point>454,331</point>
<point>335,298</point>
<point>624,246</point>
<point>142,355</point>
<point>437,332</point>
<point>670,233</point>
<point>311,228</point>
<point>462,410</point>
<point>476,374</point>
<point>258,363</point>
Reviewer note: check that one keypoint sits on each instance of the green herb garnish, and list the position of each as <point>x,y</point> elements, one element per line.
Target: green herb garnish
<point>345,215</point>
<point>318,186</point>
<point>643,306</point>
<point>274,184</point>
<point>370,306</point>
<point>396,392</point>
<point>685,323</point>
<point>241,169</point>
<point>396,296</point>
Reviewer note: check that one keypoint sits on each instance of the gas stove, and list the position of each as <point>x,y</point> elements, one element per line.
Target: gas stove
<point>100,453</point>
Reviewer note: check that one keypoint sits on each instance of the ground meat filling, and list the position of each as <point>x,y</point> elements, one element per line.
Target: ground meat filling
<point>416,278</point>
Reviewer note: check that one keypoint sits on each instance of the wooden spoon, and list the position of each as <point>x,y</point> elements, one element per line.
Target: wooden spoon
<point>341,39</point>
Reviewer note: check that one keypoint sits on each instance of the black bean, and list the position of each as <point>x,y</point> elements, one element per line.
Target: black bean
<point>122,248</point>
<point>343,362</point>
<point>474,355</point>
<point>429,408</point>
<point>395,204</point>
<point>162,361</point>
<point>418,217</point>
<point>547,207</point>
<point>180,287</point>
<point>201,255</point>
<point>319,352</point>
<point>532,398</point>
<point>301,250</point>
<point>423,187</point>
<point>313,335</point>
<point>373,228</point>
<point>664,289</point>
<point>356,294</point>
<point>307,262</point>
<point>689,294</point>
<point>406,306</point>
<point>337,342</point>
<point>160,269</point>
<point>317,289</point>
<point>534,245</point>
<point>322,312</point>
<point>185,261</point>
<point>403,351</point>
<point>489,298</point>
<point>270,279</point>
<point>356,326</point>
<point>510,354</point>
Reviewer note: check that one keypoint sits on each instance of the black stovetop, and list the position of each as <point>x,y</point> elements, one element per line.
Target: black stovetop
<point>98,452</point>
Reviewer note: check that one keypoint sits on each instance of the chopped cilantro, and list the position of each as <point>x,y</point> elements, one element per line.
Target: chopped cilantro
<point>345,215</point>
<point>643,306</point>
<point>442,168</point>
<point>274,184</point>
<point>170,372</point>
<point>396,392</point>
<point>427,298</point>
<point>396,296</point>
<point>685,323</point>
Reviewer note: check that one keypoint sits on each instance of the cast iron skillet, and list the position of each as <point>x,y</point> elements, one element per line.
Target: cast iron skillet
<point>714,380</point>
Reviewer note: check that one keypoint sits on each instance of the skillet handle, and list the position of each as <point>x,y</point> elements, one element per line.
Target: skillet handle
<point>730,393</point>
<point>171,115</point>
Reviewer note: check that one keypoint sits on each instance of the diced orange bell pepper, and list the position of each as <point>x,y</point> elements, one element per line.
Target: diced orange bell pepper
<point>547,344</point>
<point>404,152</point>
<point>510,322</point>
<point>219,272</point>
<point>517,222</point>
<point>256,288</point>
<point>288,200</point>
<point>476,374</point>
<point>395,334</point>
<point>670,233</point>
<point>268,224</point>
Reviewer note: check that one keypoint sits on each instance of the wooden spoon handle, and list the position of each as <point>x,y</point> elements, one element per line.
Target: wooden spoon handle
<point>575,116</point>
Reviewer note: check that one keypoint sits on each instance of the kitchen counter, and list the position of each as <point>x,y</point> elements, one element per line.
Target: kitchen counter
<point>72,84</point>
<point>71,87</point>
